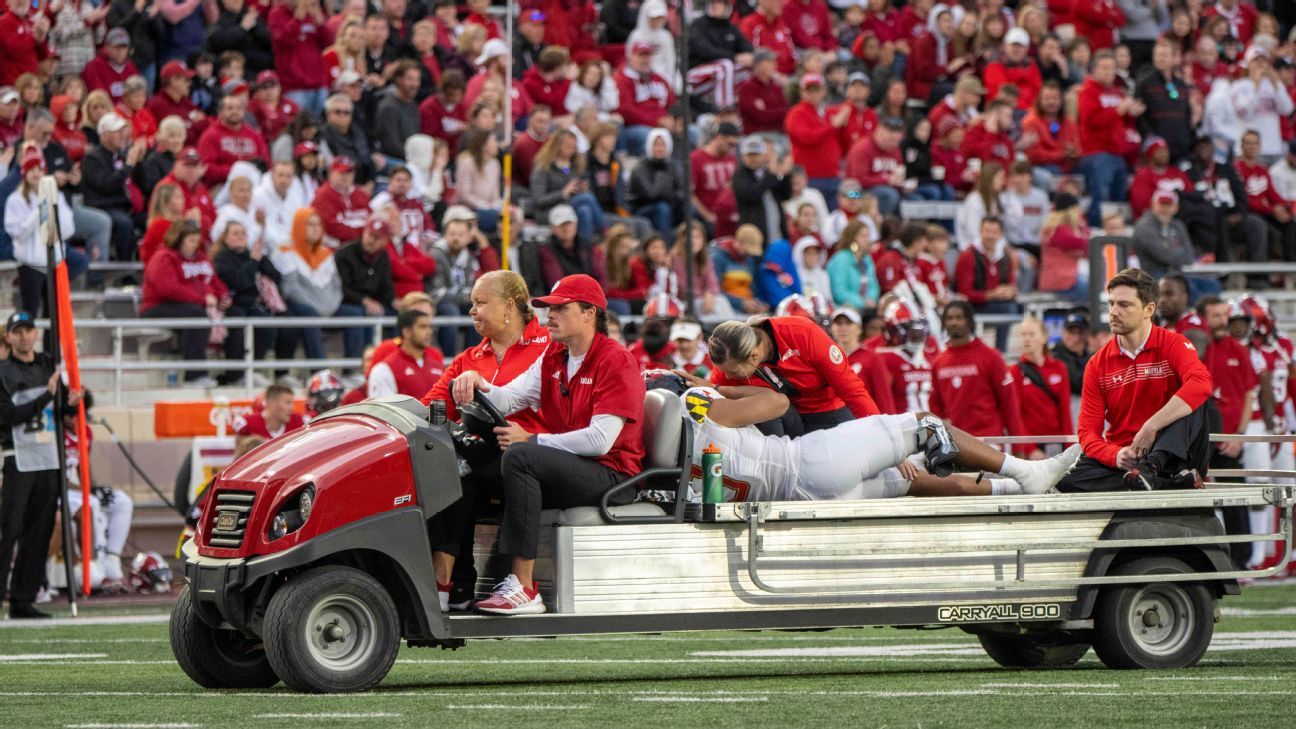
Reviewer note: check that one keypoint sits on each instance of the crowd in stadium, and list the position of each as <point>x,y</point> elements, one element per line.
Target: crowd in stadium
<point>299,159</point>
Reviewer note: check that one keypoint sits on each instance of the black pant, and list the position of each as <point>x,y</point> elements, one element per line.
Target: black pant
<point>193,342</point>
<point>538,477</point>
<point>27,505</point>
<point>263,339</point>
<point>1182,444</point>
<point>827,419</point>
<point>453,530</point>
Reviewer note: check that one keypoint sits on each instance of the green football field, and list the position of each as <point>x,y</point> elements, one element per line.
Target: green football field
<point>118,672</point>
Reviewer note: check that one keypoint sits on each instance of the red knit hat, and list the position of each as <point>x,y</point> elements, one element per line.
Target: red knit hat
<point>32,157</point>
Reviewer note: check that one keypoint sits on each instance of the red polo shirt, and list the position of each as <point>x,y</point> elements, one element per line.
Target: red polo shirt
<point>810,368</point>
<point>607,383</point>
<point>1125,389</point>
<point>1042,413</point>
<point>1229,364</point>
<point>973,388</point>
<point>412,376</point>
<point>481,359</point>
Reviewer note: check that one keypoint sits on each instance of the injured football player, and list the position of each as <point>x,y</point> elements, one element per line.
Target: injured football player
<point>870,458</point>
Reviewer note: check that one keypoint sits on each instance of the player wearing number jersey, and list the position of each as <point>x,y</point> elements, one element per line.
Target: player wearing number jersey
<point>905,356</point>
<point>859,459</point>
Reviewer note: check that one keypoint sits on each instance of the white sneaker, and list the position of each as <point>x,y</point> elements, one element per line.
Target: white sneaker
<point>510,598</point>
<point>1045,474</point>
<point>204,382</point>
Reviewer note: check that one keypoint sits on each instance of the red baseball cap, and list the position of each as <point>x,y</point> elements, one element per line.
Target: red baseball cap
<point>812,79</point>
<point>304,148</point>
<point>189,155</point>
<point>1165,196</point>
<point>576,287</point>
<point>267,78</point>
<point>378,227</point>
<point>31,157</point>
<point>342,164</point>
<point>175,68</point>
<point>641,47</point>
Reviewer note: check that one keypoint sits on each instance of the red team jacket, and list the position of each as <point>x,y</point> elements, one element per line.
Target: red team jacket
<point>1125,391</point>
<point>481,359</point>
<point>873,372</point>
<point>412,377</point>
<point>973,388</point>
<point>813,367</point>
<point>814,140</point>
<point>255,424</point>
<point>1148,181</point>
<point>343,216</point>
<point>1229,364</point>
<point>607,383</point>
<point>1045,412</point>
<point>1259,188</point>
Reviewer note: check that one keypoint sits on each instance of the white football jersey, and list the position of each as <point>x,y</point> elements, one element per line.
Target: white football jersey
<point>756,467</point>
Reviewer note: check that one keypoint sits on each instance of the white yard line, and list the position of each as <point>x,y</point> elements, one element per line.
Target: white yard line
<point>1229,612</point>
<point>73,622</point>
<point>701,699</point>
<point>520,707</point>
<point>30,657</point>
<point>1052,685</point>
<point>936,650</point>
<point>131,726</point>
<point>330,715</point>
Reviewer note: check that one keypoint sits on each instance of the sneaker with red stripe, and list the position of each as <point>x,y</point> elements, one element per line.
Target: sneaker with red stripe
<point>511,598</point>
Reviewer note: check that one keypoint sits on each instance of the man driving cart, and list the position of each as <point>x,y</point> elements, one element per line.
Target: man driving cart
<point>590,398</point>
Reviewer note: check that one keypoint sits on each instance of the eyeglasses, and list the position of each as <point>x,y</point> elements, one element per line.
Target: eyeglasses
<point>340,112</point>
<point>853,195</point>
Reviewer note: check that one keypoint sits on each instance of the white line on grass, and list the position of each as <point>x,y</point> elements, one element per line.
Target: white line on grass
<point>28,657</point>
<point>330,715</point>
<point>701,699</point>
<point>1251,613</point>
<point>876,651</point>
<point>131,726</point>
<point>1216,678</point>
<point>519,707</point>
<point>73,622</point>
<point>1005,684</point>
<point>88,640</point>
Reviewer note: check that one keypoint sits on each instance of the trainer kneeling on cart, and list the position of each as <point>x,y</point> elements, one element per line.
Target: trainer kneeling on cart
<point>795,357</point>
<point>590,398</point>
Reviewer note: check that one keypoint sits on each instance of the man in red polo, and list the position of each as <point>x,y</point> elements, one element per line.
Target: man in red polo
<point>276,416</point>
<point>1149,386</point>
<point>415,366</point>
<point>590,395</point>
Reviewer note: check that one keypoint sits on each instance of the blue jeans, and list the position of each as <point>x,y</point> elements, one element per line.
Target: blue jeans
<point>308,99</point>
<point>632,140</point>
<point>355,339</point>
<point>660,214</point>
<point>827,186</point>
<point>589,215</point>
<point>1106,180</point>
<point>934,191</point>
<point>888,198</point>
<point>312,338</point>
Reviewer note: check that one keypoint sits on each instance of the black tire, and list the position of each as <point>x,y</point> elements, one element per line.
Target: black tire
<point>216,658</point>
<point>363,638</point>
<point>1032,651</point>
<point>1157,624</point>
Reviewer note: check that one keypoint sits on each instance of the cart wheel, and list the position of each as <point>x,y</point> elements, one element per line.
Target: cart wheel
<point>1032,651</point>
<point>331,630</point>
<point>214,657</point>
<point>1155,625</point>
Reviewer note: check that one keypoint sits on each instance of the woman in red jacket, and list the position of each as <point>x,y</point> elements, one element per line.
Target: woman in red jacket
<point>512,340</point>
<point>794,356</point>
<point>1043,390</point>
<point>180,283</point>
<point>298,39</point>
<point>1064,250</point>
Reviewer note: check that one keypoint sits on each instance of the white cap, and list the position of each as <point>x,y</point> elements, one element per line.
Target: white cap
<point>110,122</point>
<point>561,214</point>
<point>493,48</point>
<point>1018,36</point>
<point>458,212</point>
<point>685,330</point>
<point>346,78</point>
<point>753,145</point>
<point>655,9</point>
<point>849,313</point>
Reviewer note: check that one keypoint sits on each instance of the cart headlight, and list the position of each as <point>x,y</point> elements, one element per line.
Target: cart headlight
<point>293,514</point>
<point>306,502</point>
<point>279,526</point>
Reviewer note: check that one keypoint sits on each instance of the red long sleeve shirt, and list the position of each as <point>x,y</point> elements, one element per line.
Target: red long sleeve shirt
<point>861,124</point>
<point>1042,413</point>
<point>197,196</point>
<point>761,105</point>
<point>343,216</point>
<point>1102,128</point>
<point>410,267</point>
<point>1025,76</point>
<point>772,34</point>
<point>870,165</point>
<point>550,93</point>
<point>1147,181</point>
<point>1124,389</point>
<point>873,372</point>
<point>1259,188</point>
<point>1229,364</point>
<point>172,278</point>
<point>100,74</point>
<point>987,146</point>
<point>1098,21</point>
<point>298,47</point>
<point>220,147</point>
<point>813,368</point>
<point>973,388</point>
<point>481,359</point>
<point>814,141</point>
<point>20,52</point>
<point>810,24</point>
<point>644,99</point>
<point>1053,136</point>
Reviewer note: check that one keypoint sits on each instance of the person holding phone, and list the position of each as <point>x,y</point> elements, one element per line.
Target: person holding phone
<point>558,176</point>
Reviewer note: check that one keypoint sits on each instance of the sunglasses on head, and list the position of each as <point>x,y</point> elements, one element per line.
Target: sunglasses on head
<point>853,195</point>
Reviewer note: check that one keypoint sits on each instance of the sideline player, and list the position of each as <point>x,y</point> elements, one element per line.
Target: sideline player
<point>860,459</point>
<point>414,366</point>
<point>276,416</point>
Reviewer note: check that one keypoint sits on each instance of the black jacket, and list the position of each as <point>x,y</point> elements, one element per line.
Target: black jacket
<point>16,376</point>
<point>1075,364</point>
<point>1167,117</point>
<point>525,56</point>
<point>353,145</point>
<point>228,34</point>
<point>238,272</point>
<point>144,31</point>
<point>655,180</point>
<point>363,276</point>
<point>103,179</point>
<point>712,39</point>
<point>1208,181</point>
<point>150,171</point>
<point>748,191</point>
<point>619,18</point>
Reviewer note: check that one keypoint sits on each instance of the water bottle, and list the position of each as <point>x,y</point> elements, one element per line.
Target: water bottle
<point>712,476</point>
<point>437,412</point>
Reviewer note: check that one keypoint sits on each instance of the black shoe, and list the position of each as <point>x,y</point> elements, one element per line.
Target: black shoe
<point>25,611</point>
<point>939,449</point>
<point>1188,478</point>
<point>461,598</point>
<point>1144,477</point>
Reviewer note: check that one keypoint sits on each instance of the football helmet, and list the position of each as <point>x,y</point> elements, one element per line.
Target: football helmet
<point>903,325</point>
<point>150,573</point>
<point>812,307</point>
<point>323,392</point>
<point>663,306</point>
<point>1257,308</point>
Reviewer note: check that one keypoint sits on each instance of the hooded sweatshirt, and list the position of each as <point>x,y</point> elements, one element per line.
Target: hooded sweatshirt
<point>656,180</point>
<point>814,279</point>
<point>278,211</point>
<point>778,277</point>
<point>309,275</point>
<point>22,223</point>
<point>663,43</point>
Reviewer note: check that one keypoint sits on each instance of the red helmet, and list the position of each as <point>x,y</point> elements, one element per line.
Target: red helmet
<point>150,573</point>
<point>663,305</point>
<point>323,392</point>
<point>902,323</point>
<point>1257,308</point>
<point>812,307</point>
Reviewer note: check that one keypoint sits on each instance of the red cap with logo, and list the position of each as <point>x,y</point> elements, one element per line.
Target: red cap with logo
<point>188,155</point>
<point>378,228</point>
<point>576,287</point>
<point>175,68</point>
<point>640,47</point>
<point>304,148</point>
<point>342,164</point>
<point>31,157</point>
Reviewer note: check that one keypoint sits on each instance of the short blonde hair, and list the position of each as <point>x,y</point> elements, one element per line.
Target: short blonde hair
<point>511,286</point>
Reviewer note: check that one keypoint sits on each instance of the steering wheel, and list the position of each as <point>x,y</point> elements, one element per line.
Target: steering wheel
<point>496,417</point>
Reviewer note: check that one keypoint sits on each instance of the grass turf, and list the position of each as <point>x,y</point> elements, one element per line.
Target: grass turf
<point>123,674</point>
